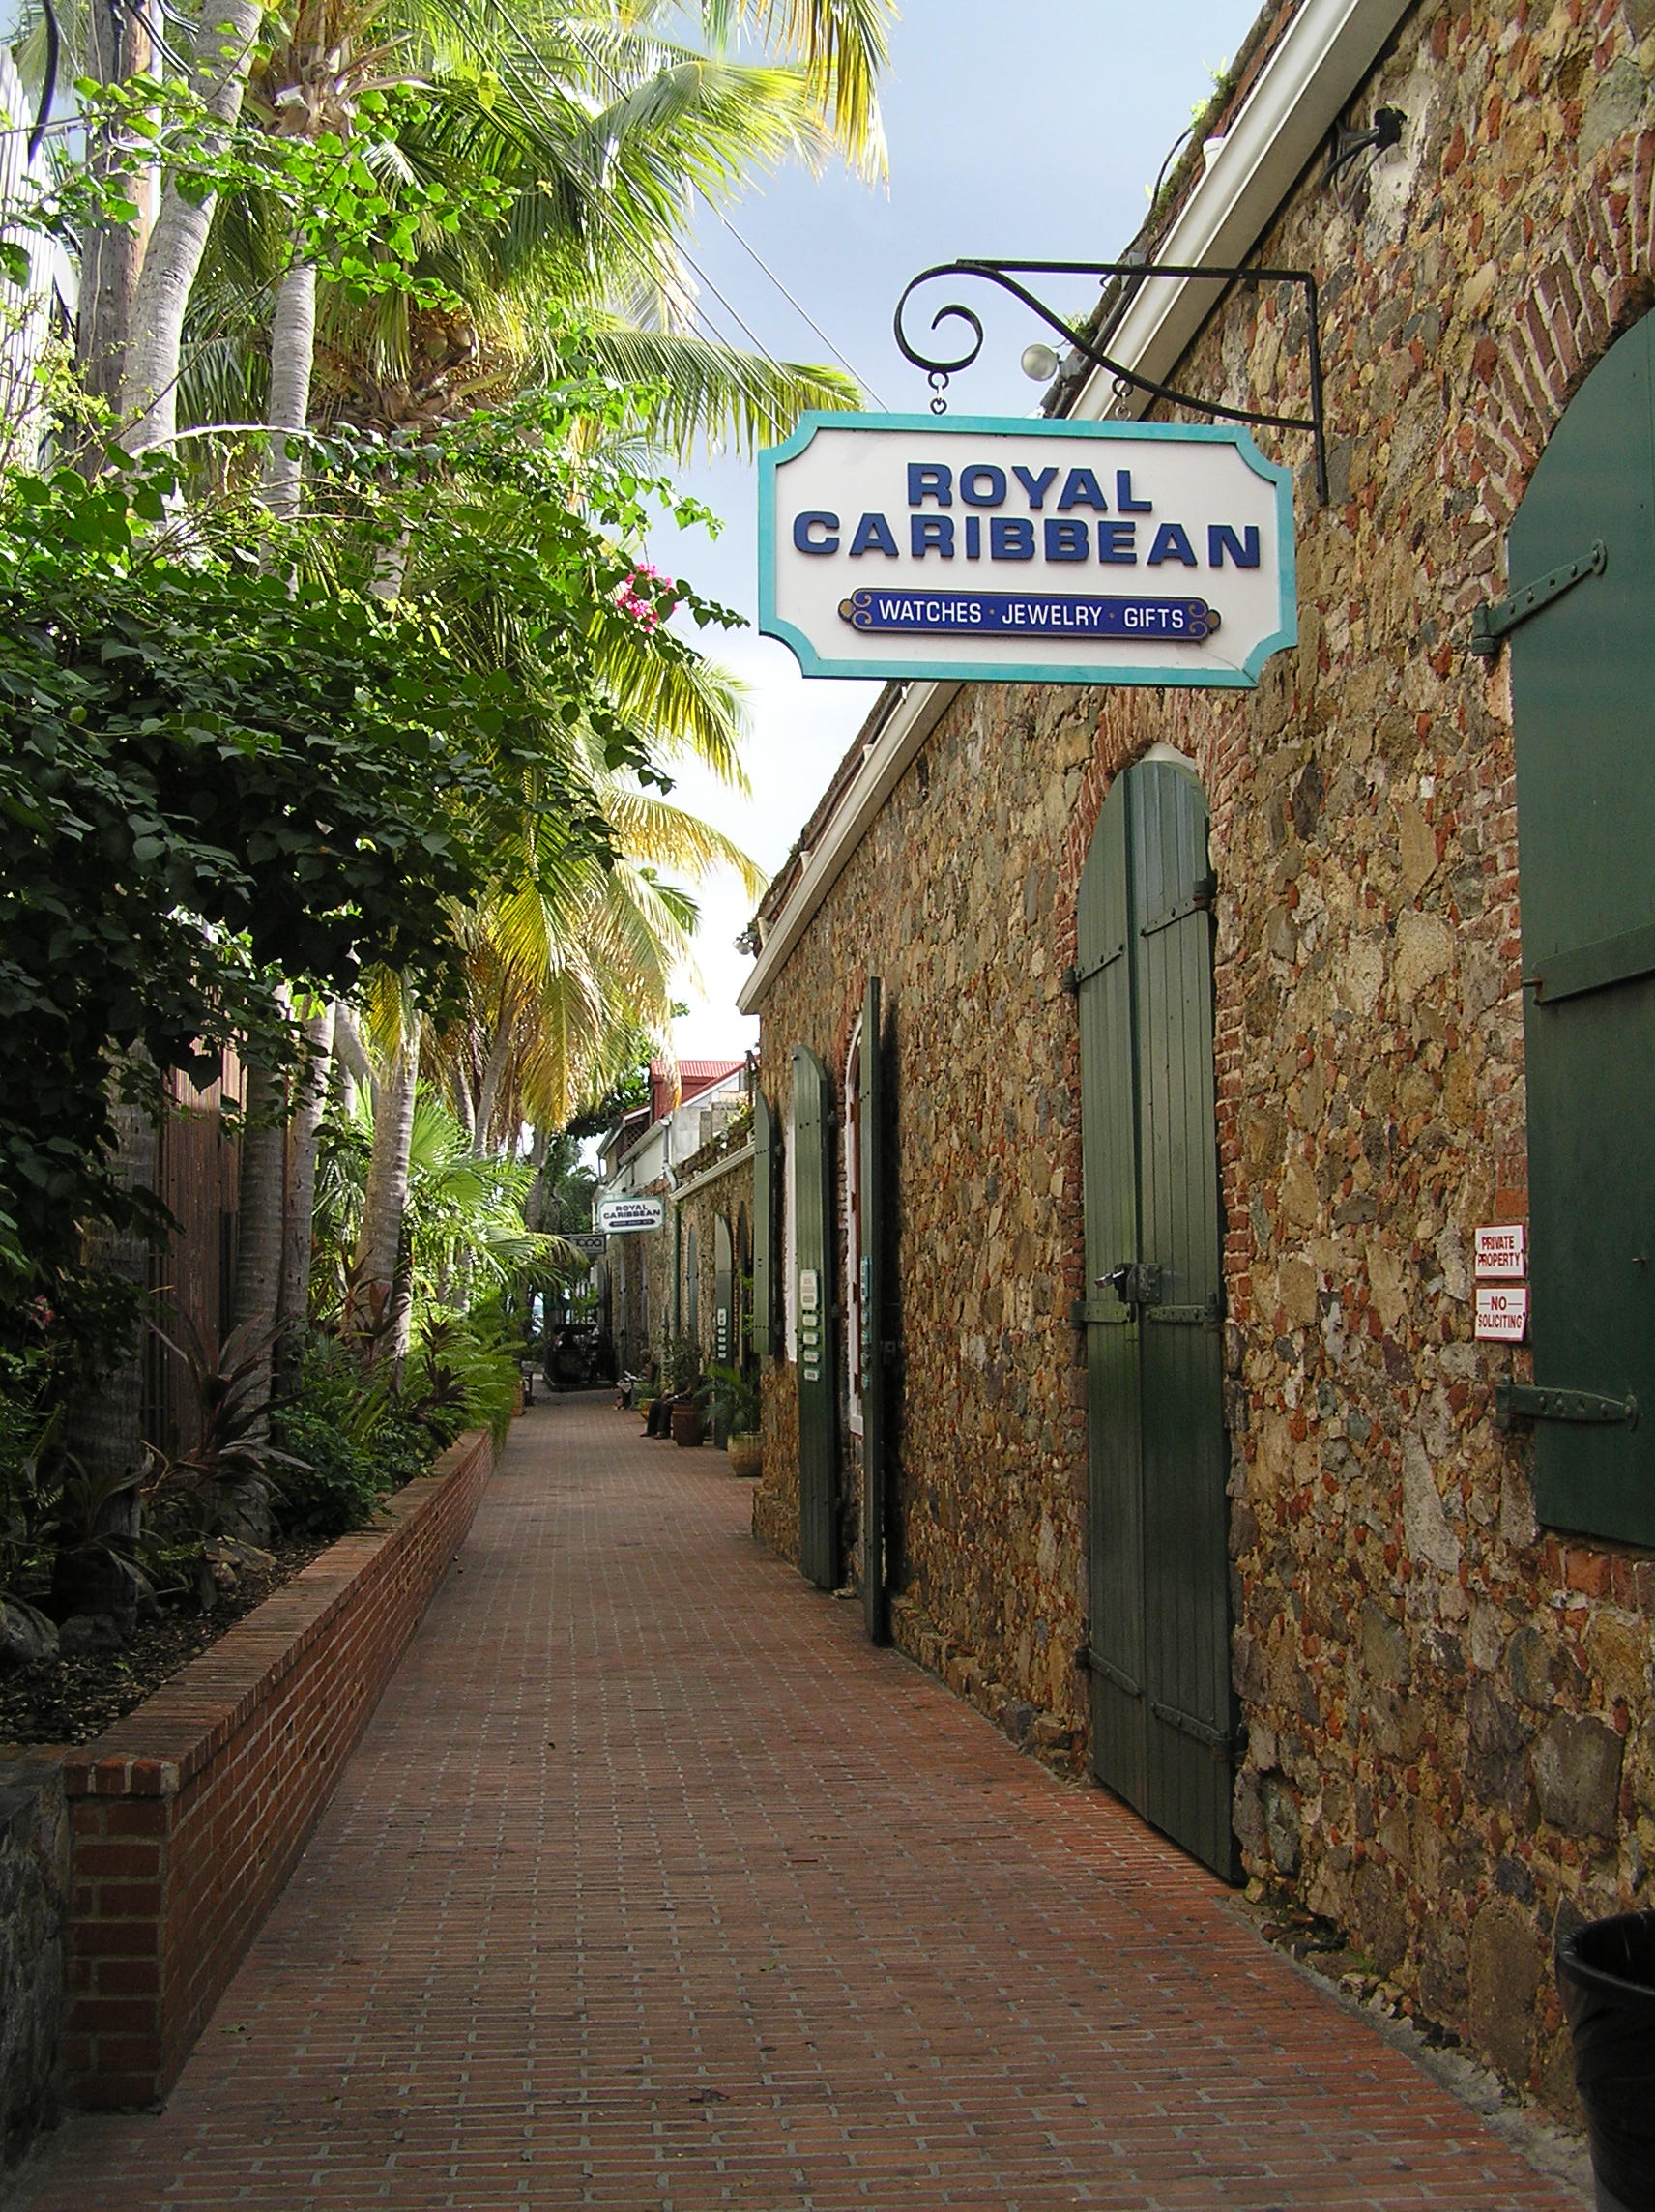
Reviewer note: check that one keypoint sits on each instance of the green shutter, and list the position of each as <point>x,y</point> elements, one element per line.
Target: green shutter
<point>873,1233</point>
<point>811,1169</point>
<point>723,1292</point>
<point>1185,1453</point>
<point>1109,1172</point>
<point>1582,677</point>
<point>1163,1708</point>
<point>764,1225</point>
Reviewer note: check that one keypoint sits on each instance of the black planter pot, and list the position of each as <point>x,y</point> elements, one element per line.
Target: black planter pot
<point>1606,1973</point>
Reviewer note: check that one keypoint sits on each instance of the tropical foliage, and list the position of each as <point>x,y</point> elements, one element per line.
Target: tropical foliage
<point>339,705</point>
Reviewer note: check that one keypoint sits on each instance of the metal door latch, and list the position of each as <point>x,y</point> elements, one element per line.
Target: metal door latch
<point>1135,1282</point>
<point>1516,1401</point>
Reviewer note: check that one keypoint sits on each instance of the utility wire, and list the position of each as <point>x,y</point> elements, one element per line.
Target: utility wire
<point>614,85</point>
<point>618,89</point>
<point>804,312</point>
<point>648,248</point>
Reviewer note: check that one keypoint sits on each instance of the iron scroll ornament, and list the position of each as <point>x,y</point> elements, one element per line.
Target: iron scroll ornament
<point>1007,275</point>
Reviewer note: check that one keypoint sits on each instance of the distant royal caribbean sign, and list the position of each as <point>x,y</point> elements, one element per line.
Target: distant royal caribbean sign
<point>1048,552</point>
<point>624,1217</point>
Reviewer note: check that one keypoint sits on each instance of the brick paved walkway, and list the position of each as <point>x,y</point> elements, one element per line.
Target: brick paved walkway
<point>653,1886</point>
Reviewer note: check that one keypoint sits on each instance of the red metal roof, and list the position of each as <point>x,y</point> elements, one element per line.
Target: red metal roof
<point>693,1076</point>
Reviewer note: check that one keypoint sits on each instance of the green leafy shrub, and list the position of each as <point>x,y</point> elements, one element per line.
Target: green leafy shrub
<point>463,1371</point>
<point>347,1441</point>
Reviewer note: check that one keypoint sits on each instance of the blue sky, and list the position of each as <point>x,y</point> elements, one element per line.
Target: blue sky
<point>1027,133</point>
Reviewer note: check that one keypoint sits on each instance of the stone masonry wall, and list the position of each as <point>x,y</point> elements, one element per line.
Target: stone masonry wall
<point>1451,1725</point>
<point>33,1898</point>
<point>188,1817</point>
<point>729,1196</point>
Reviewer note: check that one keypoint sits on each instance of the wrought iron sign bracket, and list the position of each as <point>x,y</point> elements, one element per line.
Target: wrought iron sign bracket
<point>1010,274</point>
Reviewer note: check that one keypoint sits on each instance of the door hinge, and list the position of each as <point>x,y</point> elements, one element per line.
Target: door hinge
<point>1092,1662</point>
<point>1075,976</point>
<point>1491,623</point>
<point>1203,891</point>
<point>1223,1743</point>
<point>1208,1316</point>
<point>1516,1401</point>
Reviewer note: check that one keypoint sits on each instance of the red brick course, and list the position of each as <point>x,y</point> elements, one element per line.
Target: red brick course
<point>188,1816</point>
<point>651,1884</point>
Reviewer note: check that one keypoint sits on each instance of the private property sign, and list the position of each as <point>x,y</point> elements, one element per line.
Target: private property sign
<point>1053,552</point>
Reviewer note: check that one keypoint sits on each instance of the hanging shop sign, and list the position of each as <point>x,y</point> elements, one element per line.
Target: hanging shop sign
<point>1050,552</point>
<point>590,1243</point>
<point>626,1216</point>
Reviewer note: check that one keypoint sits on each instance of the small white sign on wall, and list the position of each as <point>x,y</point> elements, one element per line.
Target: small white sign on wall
<point>1500,1253</point>
<point>1503,1312</point>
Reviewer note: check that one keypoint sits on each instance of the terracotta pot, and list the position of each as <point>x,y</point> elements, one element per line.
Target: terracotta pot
<point>686,1424</point>
<point>746,1450</point>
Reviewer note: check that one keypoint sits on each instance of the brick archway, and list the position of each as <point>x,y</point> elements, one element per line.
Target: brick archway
<point>1595,287</point>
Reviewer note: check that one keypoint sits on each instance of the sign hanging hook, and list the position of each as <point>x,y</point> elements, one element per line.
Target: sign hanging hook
<point>939,383</point>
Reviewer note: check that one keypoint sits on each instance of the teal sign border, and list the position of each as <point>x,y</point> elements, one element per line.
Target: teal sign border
<point>1242,678</point>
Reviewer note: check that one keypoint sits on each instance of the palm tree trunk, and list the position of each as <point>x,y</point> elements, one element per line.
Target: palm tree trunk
<point>103,1428</point>
<point>258,1270</point>
<point>119,45</point>
<point>348,1052</point>
<point>383,1285</point>
<point>493,1075</point>
<point>293,1305</point>
<point>292,358</point>
<point>220,55</point>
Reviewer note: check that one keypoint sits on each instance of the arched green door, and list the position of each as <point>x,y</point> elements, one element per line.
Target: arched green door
<point>811,1168</point>
<point>723,1292</point>
<point>1163,1708</point>
<point>1582,678</point>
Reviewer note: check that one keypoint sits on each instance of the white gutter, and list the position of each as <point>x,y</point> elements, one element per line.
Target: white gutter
<point>885,763</point>
<point>1306,85</point>
<point>1322,57</point>
<point>724,1167</point>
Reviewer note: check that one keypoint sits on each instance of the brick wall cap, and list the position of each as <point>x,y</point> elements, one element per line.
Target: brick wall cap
<point>158,1747</point>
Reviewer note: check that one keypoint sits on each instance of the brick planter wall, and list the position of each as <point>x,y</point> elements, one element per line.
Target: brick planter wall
<point>188,1816</point>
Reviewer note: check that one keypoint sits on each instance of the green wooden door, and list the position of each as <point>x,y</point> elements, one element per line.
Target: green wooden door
<point>766,1178</point>
<point>874,1231</point>
<point>1583,679</point>
<point>723,1294</point>
<point>1163,1707</point>
<point>811,1166</point>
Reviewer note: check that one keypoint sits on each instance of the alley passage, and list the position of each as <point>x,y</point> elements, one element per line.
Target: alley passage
<point>652,1885</point>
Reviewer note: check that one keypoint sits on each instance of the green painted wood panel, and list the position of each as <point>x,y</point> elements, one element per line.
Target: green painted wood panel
<point>875,1264</point>
<point>1109,1173</point>
<point>723,1294</point>
<point>765,1223</point>
<point>1163,1707</point>
<point>811,1166</point>
<point>1191,1722</point>
<point>1582,674</point>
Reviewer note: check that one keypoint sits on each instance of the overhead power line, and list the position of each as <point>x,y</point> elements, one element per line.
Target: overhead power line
<point>753,254</point>
<point>615,86</point>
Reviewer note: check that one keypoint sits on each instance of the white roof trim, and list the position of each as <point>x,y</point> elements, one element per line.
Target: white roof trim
<point>1307,83</point>
<point>1305,86</point>
<point>885,763</point>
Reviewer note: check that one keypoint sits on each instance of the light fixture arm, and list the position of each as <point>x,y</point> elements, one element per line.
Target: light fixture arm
<point>1007,275</point>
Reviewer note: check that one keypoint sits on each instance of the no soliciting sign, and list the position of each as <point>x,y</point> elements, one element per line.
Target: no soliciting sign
<point>1026,551</point>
